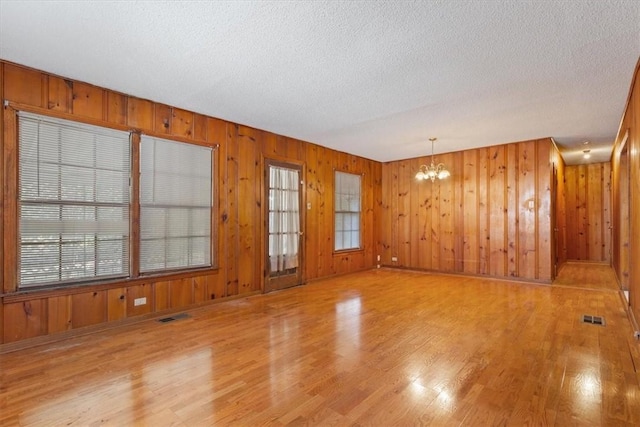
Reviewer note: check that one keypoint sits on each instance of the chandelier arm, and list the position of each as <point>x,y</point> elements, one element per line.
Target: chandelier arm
<point>433,170</point>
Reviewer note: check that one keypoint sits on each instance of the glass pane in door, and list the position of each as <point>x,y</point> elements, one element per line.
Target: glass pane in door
<point>284,221</point>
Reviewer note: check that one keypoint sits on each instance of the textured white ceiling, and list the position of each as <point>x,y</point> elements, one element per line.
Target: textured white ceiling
<point>372,78</point>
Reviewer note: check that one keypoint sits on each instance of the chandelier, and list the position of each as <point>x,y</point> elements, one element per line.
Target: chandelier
<point>432,171</point>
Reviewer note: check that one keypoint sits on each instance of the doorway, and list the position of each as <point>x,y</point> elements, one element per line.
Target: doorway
<point>624,232</point>
<point>284,255</point>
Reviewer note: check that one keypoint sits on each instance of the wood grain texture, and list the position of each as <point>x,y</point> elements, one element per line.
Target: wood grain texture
<point>88,101</point>
<point>626,241</point>
<point>491,217</point>
<point>22,85</point>
<point>116,108</point>
<point>588,222</point>
<point>59,314</point>
<point>248,230</point>
<point>23,320</point>
<point>560,212</point>
<point>60,96</point>
<point>139,291</point>
<point>161,295</point>
<point>10,204</point>
<point>89,308</point>
<point>180,293</point>
<point>116,304</point>
<point>236,222</point>
<point>414,353</point>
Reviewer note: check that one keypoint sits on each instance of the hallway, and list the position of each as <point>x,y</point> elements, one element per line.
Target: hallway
<point>586,275</point>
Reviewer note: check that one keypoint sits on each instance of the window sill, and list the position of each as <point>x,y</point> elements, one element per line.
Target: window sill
<point>347,251</point>
<point>101,285</point>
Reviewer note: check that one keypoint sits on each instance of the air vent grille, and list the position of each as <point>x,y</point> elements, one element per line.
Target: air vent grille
<point>593,320</point>
<point>174,317</point>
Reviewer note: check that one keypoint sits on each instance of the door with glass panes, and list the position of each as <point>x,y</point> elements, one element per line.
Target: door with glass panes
<point>283,225</point>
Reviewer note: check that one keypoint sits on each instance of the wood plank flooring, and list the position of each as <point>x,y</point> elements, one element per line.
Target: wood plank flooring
<point>379,348</point>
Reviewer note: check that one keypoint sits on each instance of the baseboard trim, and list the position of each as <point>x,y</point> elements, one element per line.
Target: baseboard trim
<point>88,330</point>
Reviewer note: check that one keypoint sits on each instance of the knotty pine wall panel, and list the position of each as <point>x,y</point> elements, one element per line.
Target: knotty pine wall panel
<point>497,208</point>
<point>621,220</point>
<point>238,220</point>
<point>143,290</point>
<point>559,212</point>
<point>512,211</point>
<point>88,308</point>
<point>545,156</point>
<point>312,236</point>
<point>491,217</point>
<point>116,304</point>
<point>446,225</point>
<point>25,319</point>
<point>483,211</point>
<point>58,314</point>
<point>200,289</point>
<point>386,214</point>
<point>88,101</point>
<point>116,108</point>
<point>161,295</point>
<point>60,95</point>
<point>180,293</point>
<point>588,205</point>
<point>626,247</point>
<point>247,209</point>
<point>470,208</point>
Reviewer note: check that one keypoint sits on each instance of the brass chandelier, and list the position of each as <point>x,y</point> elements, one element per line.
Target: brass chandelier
<point>432,171</point>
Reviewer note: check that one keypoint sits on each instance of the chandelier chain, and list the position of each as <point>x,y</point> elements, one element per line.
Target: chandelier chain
<point>432,171</point>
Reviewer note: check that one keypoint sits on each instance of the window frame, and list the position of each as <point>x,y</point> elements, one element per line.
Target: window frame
<point>360,213</point>
<point>9,223</point>
<point>71,202</point>
<point>212,247</point>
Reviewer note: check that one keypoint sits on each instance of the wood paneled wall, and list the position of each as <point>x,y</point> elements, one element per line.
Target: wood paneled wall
<point>239,185</point>
<point>491,217</point>
<point>559,212</point>
<point>626,237</point>
<point>588,212</point>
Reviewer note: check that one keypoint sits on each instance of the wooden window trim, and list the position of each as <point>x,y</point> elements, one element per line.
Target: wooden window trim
<point>9,199</point>
<point>361,248</point>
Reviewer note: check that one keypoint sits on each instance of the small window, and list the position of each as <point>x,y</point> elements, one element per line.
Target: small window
<point>347,211</point>
<point>73,201</point>
<point>175,205</point>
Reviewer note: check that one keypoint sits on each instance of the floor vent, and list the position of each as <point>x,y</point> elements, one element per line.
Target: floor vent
<point>593,320</point>
<point>174,317</point>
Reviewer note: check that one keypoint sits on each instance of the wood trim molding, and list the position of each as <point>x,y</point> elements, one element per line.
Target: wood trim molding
<point>87,330</point>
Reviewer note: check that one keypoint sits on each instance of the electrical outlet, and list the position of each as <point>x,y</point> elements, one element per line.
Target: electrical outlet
<point>140,301</point>
<point>394,259</point>
<point>378,257</point>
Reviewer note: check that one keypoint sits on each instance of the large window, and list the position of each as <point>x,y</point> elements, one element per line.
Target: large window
<point>75,208</point>
<point>347,211</point>
<point>175,205</point>
<point>73,201</point>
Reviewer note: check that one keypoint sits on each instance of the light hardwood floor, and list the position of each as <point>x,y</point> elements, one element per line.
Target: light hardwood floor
<point>382,348</point>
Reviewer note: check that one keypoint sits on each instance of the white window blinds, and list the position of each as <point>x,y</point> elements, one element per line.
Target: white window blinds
<point>347,211</point>
<point>73,201</point>
<point>175,205</point>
